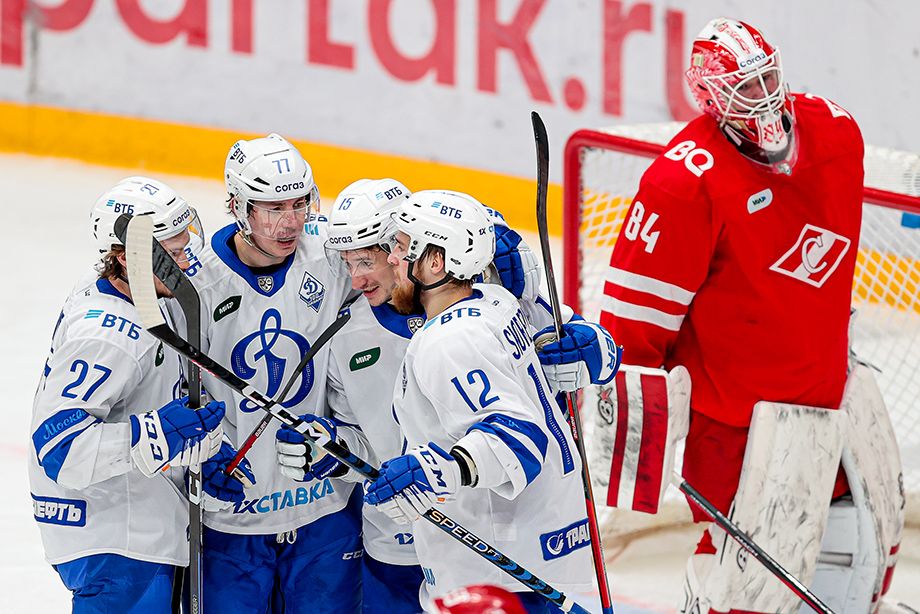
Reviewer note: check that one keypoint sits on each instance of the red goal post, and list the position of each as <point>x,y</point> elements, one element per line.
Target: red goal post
<point>602,169</point>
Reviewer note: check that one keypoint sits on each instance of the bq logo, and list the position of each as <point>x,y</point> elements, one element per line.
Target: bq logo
<point>816,254</point>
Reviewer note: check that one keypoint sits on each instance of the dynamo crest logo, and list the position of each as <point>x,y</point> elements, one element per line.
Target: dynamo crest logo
<point>268,355</point>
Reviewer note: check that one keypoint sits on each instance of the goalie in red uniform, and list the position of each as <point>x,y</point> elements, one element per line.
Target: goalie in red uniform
<point>736,261</point>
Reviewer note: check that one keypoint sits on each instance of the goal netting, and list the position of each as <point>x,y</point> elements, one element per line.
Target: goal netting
<point>602,172</point>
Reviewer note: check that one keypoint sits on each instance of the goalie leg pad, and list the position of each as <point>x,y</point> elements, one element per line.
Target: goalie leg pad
<point>873,468</point>
<point>641,416</point>
<point>848,565</point>
<point>788,473</point>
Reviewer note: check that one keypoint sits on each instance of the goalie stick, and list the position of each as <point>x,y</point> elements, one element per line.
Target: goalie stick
<point>597,549</point>
<point>744,540</point>
<point>138,240</point>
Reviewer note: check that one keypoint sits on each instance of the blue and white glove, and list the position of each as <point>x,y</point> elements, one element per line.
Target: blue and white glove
<point>176,435</point>
<point>301,458</point>
<point>409,485</point>
<point>586,354</point>
<point>517,265</point>
<point>222,490</point>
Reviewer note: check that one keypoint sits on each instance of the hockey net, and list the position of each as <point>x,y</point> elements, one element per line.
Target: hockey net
<point>602,172</point>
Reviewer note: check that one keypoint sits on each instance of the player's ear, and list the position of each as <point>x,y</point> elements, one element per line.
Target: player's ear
<point>436,261</point>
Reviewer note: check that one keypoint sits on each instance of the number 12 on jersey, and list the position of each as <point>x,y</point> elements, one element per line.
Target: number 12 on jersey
<point>474,377</point>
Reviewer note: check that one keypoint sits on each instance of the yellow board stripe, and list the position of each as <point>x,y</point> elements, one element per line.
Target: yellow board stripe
<point>157,146</point>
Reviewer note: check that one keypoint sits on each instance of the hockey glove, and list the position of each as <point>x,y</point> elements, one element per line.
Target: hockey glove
<point>175,435</point>
<point>220,489</point>
<point>411,484</point>
<point>586,355</point>
<point>301,458</point>
<point>516,264</point>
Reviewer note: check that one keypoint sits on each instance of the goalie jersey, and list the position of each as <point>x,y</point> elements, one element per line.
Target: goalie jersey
<point>472,374</point>
<point>88,497</point>
<point>366,358</point>
<point>259,326</point>
<point>741,274</point>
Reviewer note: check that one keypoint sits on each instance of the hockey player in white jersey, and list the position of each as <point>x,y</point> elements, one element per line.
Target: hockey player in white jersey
<point>485,439</point>
<point>267,289</point>
<point>108,423</point>
<point>364,363</point>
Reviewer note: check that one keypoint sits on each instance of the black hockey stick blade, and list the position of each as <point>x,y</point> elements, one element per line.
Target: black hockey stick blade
<point>138,243</point>
<point>597,551</point>
<point>542,142</point>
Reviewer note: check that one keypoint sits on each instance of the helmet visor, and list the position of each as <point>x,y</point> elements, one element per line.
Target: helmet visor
<point>281,220</point>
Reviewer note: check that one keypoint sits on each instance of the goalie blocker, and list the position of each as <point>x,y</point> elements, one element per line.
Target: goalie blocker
<point>787,479</point>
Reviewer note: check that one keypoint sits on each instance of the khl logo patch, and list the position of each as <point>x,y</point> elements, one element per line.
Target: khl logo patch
<point>814,257</point>
<point>271,349</point>
<point>312,292</point>
<point>266,283</point>
<point>415,323</point>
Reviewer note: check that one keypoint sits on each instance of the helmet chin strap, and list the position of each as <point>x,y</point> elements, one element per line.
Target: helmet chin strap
<point>419,286</point>
<point>253,245</point>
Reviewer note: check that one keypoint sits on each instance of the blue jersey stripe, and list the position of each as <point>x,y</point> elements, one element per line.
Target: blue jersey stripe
<point>499,425</point>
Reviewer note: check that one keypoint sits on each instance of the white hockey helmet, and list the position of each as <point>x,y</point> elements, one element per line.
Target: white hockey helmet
<point>266,169</point>
<point>454,221</point>
<point>141,196</point>
<point>361,212</point>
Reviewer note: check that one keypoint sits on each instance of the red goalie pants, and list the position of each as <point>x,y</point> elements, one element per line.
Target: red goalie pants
<point>712,464</point>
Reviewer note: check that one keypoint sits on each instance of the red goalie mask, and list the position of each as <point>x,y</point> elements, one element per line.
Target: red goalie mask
<point>479,600</point>
<point>736,77</point>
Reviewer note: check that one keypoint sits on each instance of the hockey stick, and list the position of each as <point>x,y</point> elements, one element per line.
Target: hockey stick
<point>138,240</point>
<point>325,336</point>
<point>184,291</point>
<point>188,300</point>
<point>597,549</point>
<point>794,584</point>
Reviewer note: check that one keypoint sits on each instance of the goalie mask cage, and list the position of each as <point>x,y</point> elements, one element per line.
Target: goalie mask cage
<point>602,173</point>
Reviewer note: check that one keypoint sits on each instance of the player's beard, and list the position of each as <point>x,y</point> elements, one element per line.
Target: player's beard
<point>403,298</point>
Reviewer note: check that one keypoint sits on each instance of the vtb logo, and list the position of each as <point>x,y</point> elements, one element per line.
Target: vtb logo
<point>814,257</point>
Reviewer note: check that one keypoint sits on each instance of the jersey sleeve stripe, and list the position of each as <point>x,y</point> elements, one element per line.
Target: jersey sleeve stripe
<point>521,437</point>
<point>62,425</point>
<point>631,311</point>
<point>649,285</point>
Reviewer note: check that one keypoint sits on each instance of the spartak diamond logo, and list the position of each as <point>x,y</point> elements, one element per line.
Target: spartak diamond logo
<point>814,257</point>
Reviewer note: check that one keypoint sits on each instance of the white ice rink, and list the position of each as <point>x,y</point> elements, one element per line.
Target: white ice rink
<point>47,246</point>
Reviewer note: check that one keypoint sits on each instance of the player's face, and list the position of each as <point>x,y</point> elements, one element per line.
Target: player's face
<point>371,273</point>
<point>753,89</point>
<point>276,225</point>
<point>404,290</point>
<point>175,247</point>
